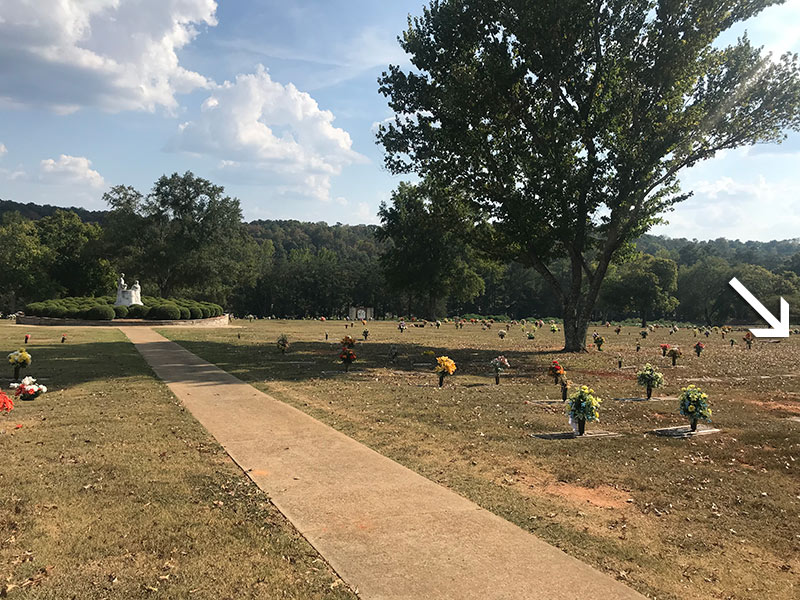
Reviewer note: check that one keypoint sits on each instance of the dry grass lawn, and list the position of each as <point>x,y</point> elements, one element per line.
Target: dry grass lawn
<point>109,489</point>
<point>715,516</point>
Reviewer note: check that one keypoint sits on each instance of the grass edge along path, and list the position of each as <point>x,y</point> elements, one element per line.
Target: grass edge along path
<point>110,489</point>
<point>389,532</point>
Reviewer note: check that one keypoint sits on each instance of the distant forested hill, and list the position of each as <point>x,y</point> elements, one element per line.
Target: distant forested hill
<point>770,255</point>
<point>294,268</point>
<point>35,212</point>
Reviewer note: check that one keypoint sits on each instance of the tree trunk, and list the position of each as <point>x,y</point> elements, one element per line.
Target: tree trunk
<point>575,329</point>
<point>644,321</point>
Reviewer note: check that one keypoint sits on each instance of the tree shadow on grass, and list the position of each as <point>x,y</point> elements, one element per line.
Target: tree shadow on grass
<point>63,365</point>
<point>314,360</point>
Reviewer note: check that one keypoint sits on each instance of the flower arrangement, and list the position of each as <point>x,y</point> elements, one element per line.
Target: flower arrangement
<point>674,353</point>
<point>599,341</point>
<point>365,333</point>
<point>748,339</point>
<point>502,334</point>
<point>444,366</point>
<point>28,389</point>
<point>649,378</point>
<point>499,364</point>
<point>348,341</point>
<point>694,405</point>
<point>583,406</point>
<point>6,403</point>
<point>698,348</point>
<point>401,326</point>
<point>347,356</point>
<point>643,333</point>
<point>283,343</point>
<point>617,329</point>
<point>554,328</point>
<point>19,360</point>
<point>556,371</point>
<point>531,335</point>
<point>664,348</point>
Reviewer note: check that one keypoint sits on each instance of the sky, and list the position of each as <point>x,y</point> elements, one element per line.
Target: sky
<point>278,101</point>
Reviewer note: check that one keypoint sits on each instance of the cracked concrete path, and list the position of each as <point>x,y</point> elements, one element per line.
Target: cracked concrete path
<point>389,532</point>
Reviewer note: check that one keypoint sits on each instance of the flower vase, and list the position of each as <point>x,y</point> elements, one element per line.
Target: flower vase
<point>619,363</point>
<point>674,360</point>
<point>346,367</point>
<point>563,392</point>
<point>497,378</point>
<point>441,379</point>
<point>649,392</point>
<point>694,424</point>
<point>663,352</point>
<point>581,426</point>
<point>16,373</point>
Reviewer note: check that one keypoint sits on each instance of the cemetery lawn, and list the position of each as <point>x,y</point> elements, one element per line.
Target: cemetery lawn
<point>715,516</point>
<point>110,489</point>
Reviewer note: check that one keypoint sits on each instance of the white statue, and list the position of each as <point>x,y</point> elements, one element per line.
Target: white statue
<point>136,293</point>
<point>125,296</point>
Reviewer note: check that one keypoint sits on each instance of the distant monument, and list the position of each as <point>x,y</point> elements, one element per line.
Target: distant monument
<point>361,313</point>
<point>125,296</point>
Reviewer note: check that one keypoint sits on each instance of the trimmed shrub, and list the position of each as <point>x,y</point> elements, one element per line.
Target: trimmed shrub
<point>57,311</point>
<point>195,311</point>
<point>138,311</point>
<point>121,311</point>
<point>165,312</point>
<point>206,311</point>
<point>100,312</point>
<point>185,312</point>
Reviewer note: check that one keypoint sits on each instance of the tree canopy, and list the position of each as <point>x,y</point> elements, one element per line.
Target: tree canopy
<point>566,123</point>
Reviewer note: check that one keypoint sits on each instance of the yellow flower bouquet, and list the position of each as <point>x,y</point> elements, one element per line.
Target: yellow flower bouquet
<point>444,366</point>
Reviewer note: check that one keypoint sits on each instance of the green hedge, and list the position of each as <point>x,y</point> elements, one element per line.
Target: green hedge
<point>165,312</point>
<point>100,308</point>
<point>100,312</point>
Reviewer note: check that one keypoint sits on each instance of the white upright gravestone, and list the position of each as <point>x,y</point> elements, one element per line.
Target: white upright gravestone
<point>125,296</point>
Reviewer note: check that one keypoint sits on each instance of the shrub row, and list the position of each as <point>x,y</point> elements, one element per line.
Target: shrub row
<point>103,309</point>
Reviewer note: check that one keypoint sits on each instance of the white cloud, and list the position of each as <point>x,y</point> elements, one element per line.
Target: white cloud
<point>268,133</point>
<point>70,170</point>
<point>365,214</point>
<point>114,54</point>
<point>758,209</point>
<point>3,150</point>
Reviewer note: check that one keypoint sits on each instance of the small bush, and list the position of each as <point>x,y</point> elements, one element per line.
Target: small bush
<point>100,312</point>
<point>138,311</point>
<point>165,312</point>
<point>196,311</point>
<point>121,311</point>
<point>206,311</point>
<point>185,312</point>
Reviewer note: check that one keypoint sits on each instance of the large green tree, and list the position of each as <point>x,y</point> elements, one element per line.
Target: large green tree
<point>567,122</point>
<point>645,285</point>
<point>427,258</point>
<point>186,236</point>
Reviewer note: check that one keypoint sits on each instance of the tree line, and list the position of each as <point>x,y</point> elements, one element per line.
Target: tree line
<point>186,238</point>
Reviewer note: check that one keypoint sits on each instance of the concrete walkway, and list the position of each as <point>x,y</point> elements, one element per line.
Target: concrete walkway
<point>388,532</point>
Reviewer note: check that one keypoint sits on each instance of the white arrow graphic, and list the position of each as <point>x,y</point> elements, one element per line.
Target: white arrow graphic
<point>779,328</point>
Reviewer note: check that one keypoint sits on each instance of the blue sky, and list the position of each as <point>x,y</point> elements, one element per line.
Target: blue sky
<point>276,101</point>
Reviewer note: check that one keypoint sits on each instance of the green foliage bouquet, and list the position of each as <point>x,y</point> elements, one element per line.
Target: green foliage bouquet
<point>283,343</point>
<point>583,406</point>
<point>694,405</point>
<point>649,378</point>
